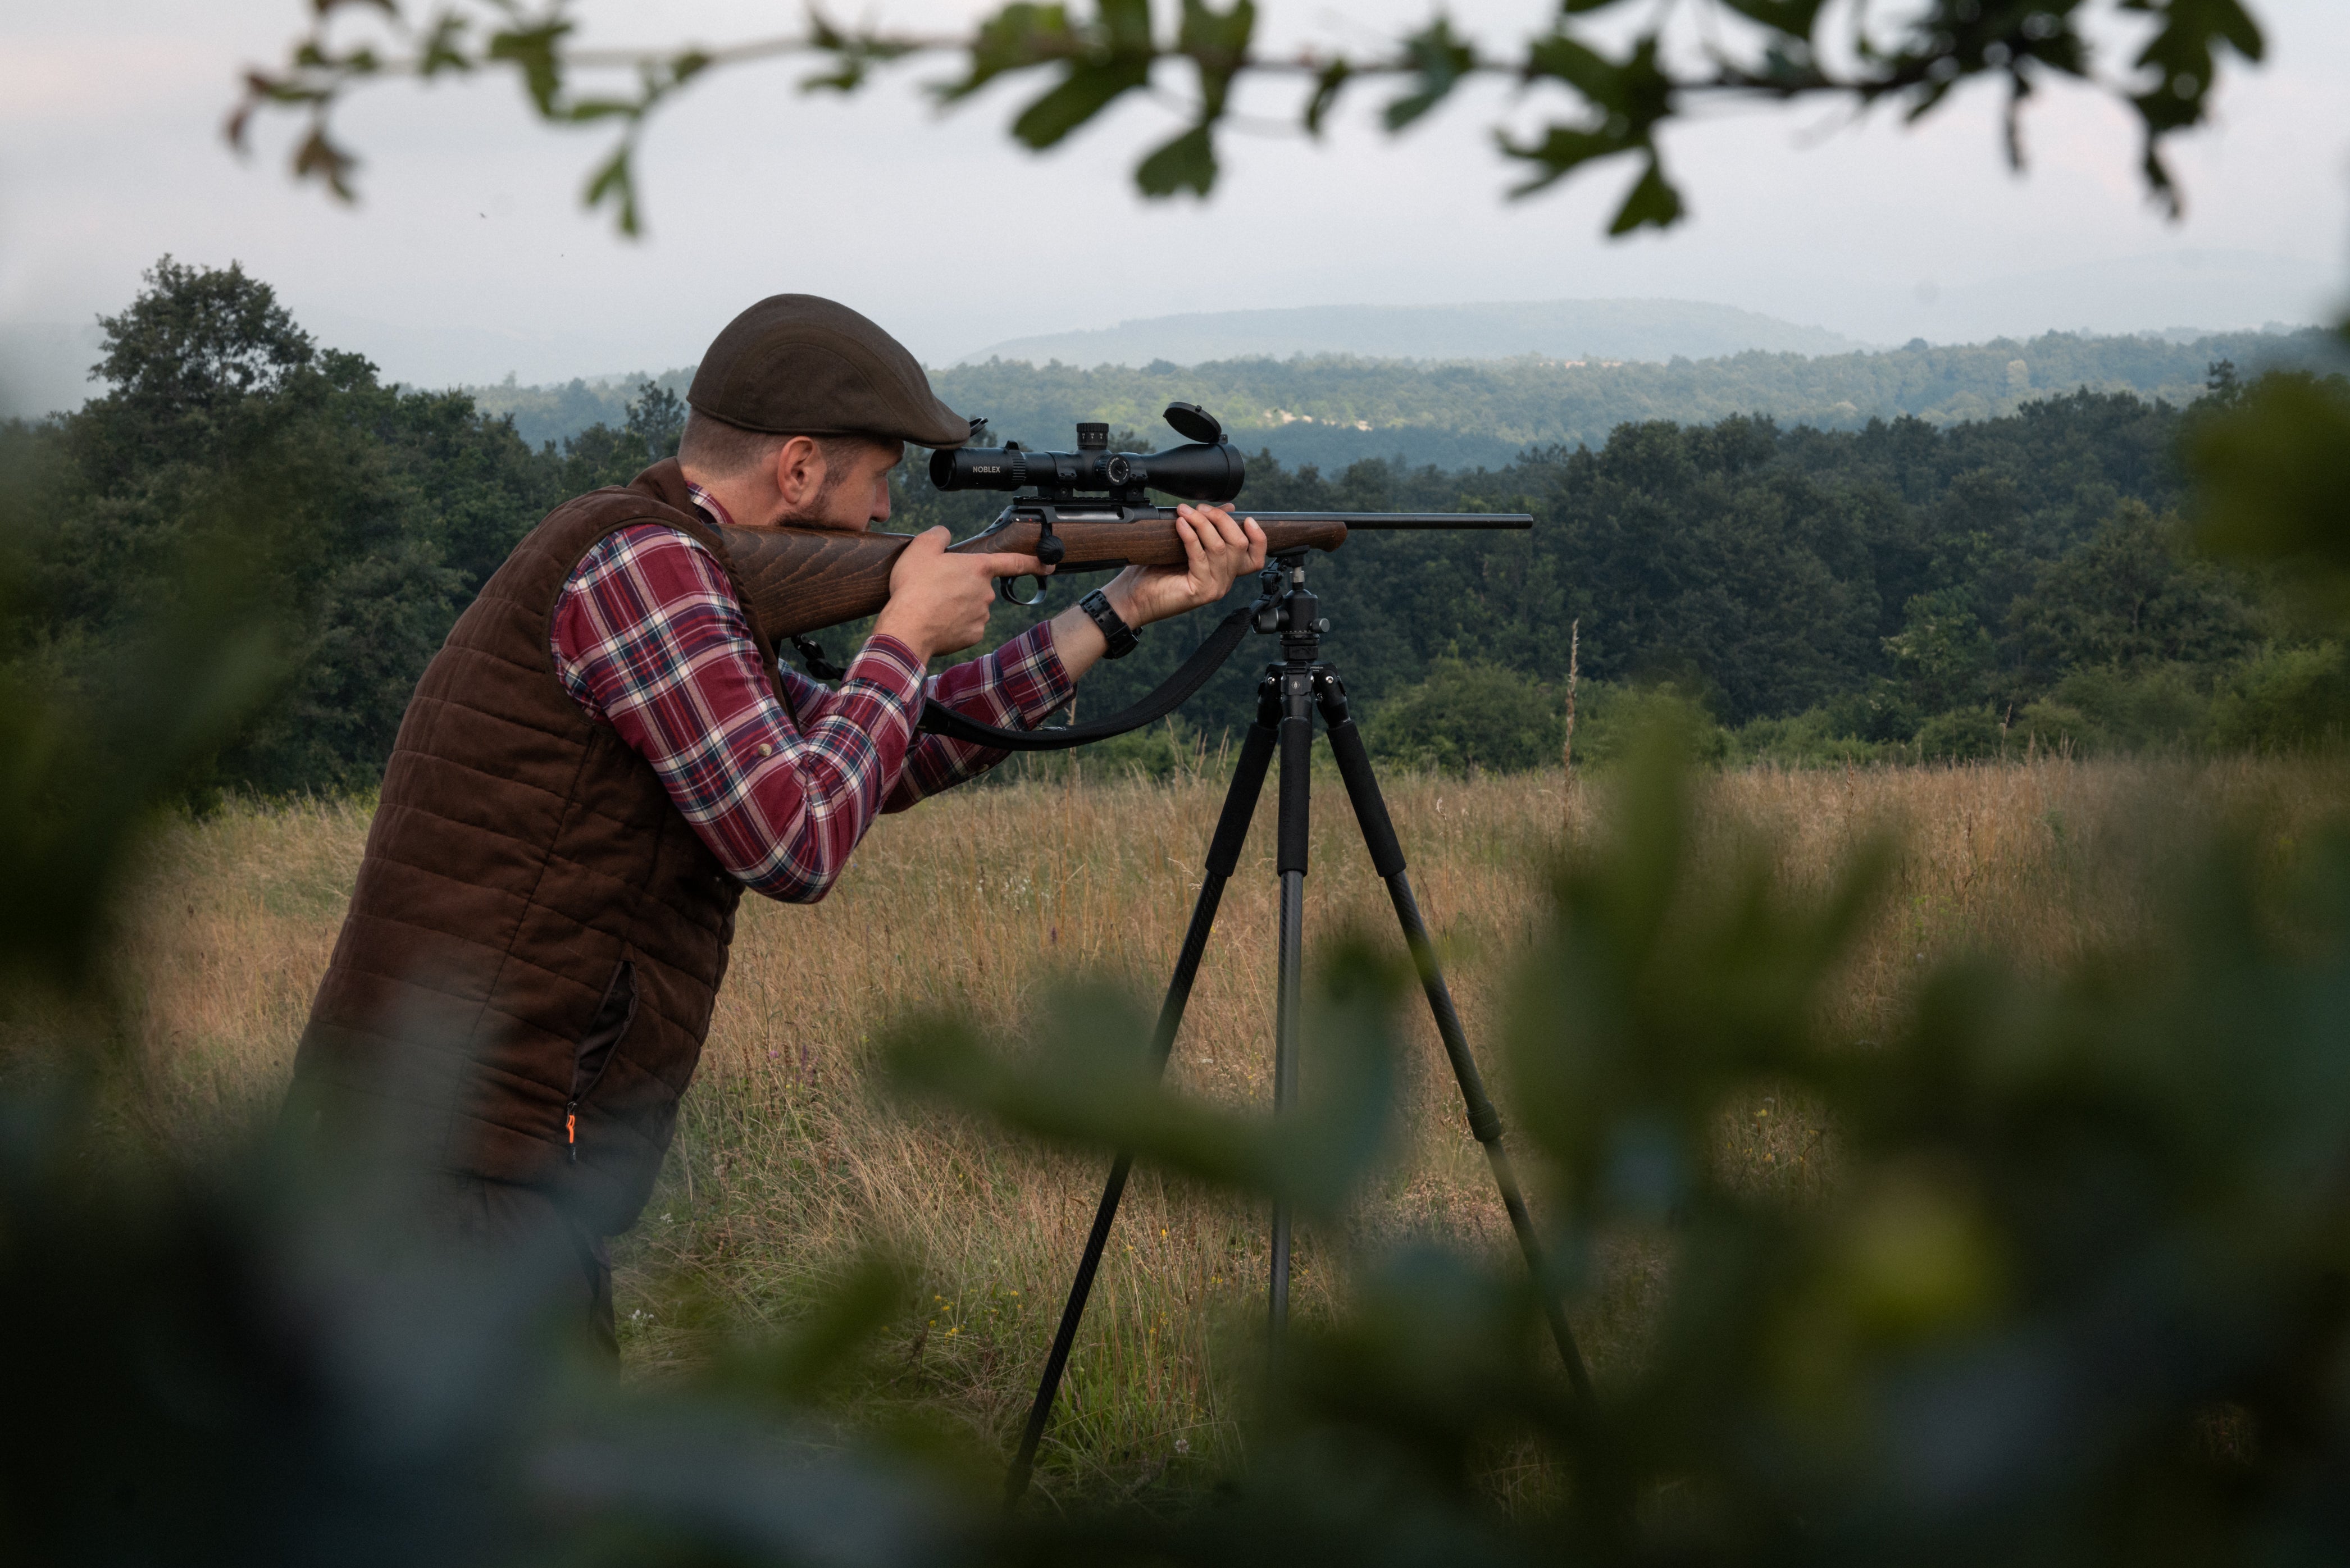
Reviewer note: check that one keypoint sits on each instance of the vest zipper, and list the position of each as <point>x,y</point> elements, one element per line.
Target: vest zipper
<point>614,1016</point>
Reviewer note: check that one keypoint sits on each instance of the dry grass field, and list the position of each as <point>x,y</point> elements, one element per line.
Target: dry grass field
<point>789,1163</point>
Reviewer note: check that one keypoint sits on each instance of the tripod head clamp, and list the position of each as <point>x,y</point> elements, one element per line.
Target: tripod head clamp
<point>1290,609</point>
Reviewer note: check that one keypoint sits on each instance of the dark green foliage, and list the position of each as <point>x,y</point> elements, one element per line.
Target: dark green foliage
<point>2285,698</point>
<point>2276,462</point>
<point>1466,716</point>
<point>657,418</point>
<point>1942,653</point>
<point>348,521</point>
<point>199,341</point>
<point>1969,734</point>
<point>1872,578</point>
<point>2126,597</point>
<point>2020,576</point>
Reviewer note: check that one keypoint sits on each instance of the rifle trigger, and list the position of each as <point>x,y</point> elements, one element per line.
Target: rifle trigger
<point>817,665</point>
<point>1003,591</point>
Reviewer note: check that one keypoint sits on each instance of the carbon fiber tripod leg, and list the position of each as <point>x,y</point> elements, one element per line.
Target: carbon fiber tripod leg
<point>1223,856</point>
<point>1295,683</point>
<point>1485,1121</point>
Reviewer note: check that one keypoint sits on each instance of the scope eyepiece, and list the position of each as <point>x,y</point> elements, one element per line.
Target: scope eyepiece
<point>1209,471</point>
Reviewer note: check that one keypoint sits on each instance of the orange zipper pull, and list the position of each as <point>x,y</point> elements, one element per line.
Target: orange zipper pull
<point>571,1132</point>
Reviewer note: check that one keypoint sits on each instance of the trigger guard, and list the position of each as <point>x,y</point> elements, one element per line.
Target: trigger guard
<point>1004,590</point>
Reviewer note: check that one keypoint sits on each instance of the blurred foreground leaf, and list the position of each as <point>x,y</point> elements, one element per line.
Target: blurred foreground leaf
<point>1598,105</point>
<point>2273,466</point>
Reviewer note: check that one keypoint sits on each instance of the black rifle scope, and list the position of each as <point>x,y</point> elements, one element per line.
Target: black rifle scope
<point>1207,468</point>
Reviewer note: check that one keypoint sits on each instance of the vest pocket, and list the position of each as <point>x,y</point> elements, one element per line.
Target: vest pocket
<point>605,1031</point>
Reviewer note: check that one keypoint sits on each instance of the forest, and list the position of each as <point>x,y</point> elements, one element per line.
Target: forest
<point>1902,590</point>
<point>1334,410</point>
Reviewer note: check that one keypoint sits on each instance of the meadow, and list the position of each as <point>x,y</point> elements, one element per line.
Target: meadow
<point>791,1162</point>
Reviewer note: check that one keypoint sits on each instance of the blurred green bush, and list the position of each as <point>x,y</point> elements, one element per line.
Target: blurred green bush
<point>1467,716</point>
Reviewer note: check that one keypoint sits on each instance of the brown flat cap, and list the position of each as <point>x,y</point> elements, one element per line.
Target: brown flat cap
<point>794,364</point>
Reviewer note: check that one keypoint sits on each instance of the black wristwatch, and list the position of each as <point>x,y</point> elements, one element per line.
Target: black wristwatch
<point>1122,637</point>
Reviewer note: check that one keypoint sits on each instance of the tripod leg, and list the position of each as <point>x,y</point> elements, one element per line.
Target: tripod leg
<point>1223,856</point>
<point>1485,1121</point>
<point>1296,765</point>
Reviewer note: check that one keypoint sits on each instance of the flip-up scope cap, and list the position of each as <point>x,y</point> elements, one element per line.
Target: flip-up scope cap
<point>794,364</point>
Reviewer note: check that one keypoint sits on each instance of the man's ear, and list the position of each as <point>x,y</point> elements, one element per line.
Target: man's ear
<point>799,471</point>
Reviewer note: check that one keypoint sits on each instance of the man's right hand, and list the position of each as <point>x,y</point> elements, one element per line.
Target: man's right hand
<point>939,602</point>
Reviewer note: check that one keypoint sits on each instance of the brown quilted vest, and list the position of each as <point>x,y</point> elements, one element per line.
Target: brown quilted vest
<point>524,982</point>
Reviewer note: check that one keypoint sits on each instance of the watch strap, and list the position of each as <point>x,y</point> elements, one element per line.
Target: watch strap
<point>1120,636</point>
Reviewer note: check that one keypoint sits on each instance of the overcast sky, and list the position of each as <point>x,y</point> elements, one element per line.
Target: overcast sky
<point>469,257</point>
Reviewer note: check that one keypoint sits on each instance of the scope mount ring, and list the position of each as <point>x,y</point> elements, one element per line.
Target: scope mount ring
<point>1004,590</point>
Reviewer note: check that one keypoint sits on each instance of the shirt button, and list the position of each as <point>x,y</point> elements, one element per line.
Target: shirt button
<point>765,750</point>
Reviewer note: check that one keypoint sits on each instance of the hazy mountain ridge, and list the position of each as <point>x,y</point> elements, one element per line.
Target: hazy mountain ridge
<point>1613,329</point>
<point>1334,409</point>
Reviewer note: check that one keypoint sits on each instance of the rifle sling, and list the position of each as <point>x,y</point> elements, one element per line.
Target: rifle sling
<point>1170,694</point>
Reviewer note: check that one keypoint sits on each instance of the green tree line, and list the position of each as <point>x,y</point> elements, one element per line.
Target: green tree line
<point>1899,589</point>
<point>1465,414</point>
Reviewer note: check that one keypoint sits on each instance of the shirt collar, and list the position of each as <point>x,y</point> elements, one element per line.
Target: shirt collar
<point>709,503</point>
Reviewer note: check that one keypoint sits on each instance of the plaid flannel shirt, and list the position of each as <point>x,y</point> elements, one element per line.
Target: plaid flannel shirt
<point>649,639</point>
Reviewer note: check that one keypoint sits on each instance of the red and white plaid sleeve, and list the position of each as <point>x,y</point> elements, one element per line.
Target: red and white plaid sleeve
<point>649,639</point>
<point>1017,687</point>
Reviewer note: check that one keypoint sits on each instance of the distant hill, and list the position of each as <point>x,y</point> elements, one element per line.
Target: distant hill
<point>1332,410</point>
<point>1601,329</point>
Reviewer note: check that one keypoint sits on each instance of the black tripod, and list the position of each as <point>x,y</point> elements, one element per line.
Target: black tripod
<point>1286,699</point>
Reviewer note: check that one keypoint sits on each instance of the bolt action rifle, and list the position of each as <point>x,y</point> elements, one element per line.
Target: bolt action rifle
<point>1088,510</point>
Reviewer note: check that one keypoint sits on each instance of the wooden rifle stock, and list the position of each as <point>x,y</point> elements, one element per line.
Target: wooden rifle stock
<point>797,580</point>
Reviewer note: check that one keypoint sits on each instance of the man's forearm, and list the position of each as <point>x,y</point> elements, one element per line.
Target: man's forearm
<point>1216,551</point>
<point>1078,642</point>
<point>1016,687</point>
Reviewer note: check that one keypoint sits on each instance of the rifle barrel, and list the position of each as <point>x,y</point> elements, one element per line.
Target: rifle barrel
<point>1353,520</point>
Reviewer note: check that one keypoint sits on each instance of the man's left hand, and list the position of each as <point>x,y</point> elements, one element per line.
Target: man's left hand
<point>1216,550</point>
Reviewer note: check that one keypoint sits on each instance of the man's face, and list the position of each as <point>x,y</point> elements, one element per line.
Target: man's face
<point>854,493</point>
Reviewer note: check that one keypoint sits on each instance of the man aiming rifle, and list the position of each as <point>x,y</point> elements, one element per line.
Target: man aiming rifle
<point>606,752</point>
